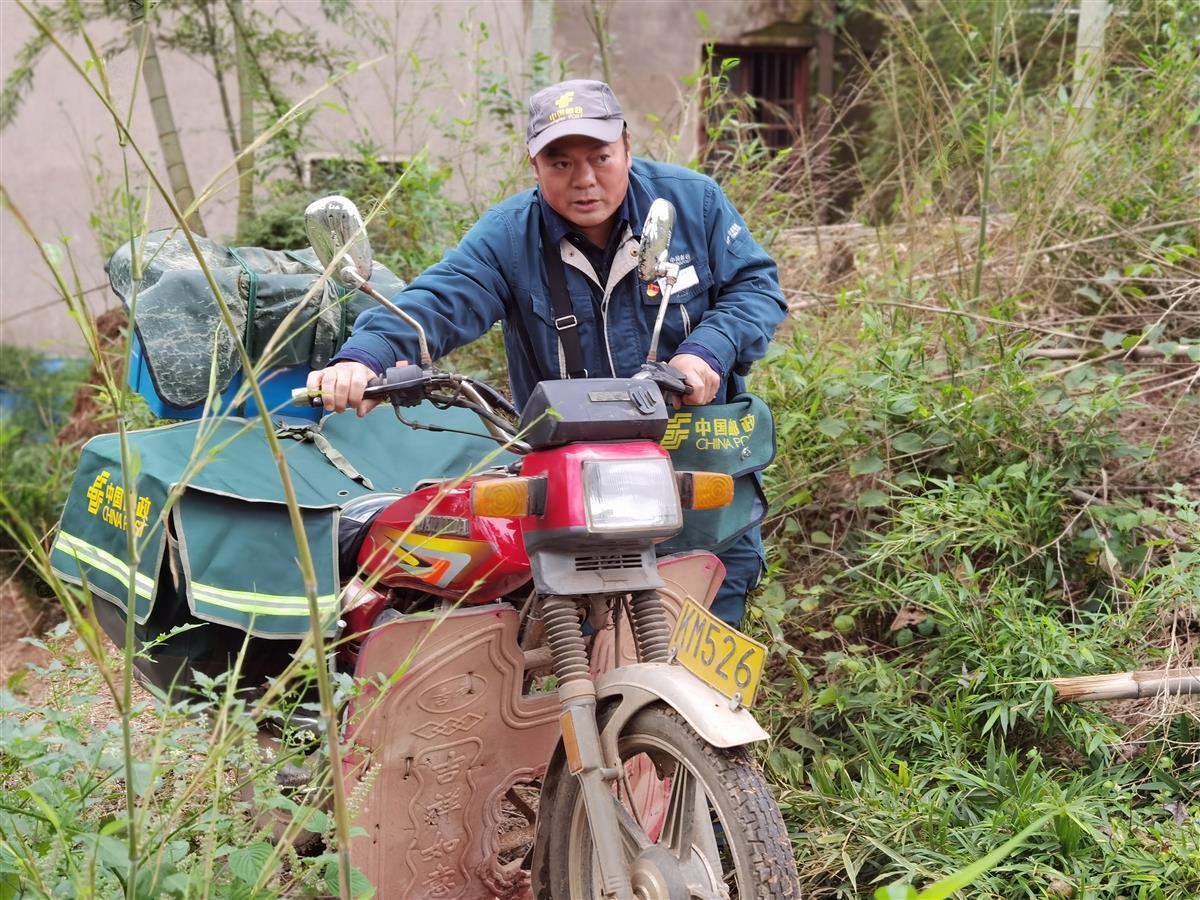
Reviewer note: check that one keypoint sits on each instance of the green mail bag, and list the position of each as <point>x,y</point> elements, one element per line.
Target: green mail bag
<point>736,438</point>
<point>210,519</point>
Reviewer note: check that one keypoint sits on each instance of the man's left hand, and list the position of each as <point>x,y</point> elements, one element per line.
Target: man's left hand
<point>701,378</point>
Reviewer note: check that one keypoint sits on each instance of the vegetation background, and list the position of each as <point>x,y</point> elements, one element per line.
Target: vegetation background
<point>989,468</point>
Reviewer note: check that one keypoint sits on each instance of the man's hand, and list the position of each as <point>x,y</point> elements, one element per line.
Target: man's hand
<point>342,384</point>
<point>701,378</point>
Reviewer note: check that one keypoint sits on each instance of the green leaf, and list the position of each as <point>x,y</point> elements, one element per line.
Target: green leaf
<point>360,886</point>
<point>176,884</point>
<point>873,498</point>
<point>54,255</point>
<point>907,442</point>
<point>827,696</point>
<point>942,889</point>
<point>314,820</point>
<point>802,737</point>
<point>866,466</point>
<point>1112,339</point>
<point>896,891</point>
<point>143,776</point>
<point>832,427</point>
<point>114,853</point>
<point>248,862</point>
<point>820,537</point>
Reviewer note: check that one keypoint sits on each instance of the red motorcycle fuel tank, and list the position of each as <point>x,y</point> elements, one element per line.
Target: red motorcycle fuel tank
<point>430,541</point>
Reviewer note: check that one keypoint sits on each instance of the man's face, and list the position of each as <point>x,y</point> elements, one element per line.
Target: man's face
<point>584,180</point>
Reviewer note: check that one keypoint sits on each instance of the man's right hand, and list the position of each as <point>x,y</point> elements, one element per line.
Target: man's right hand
<point>341,385</point>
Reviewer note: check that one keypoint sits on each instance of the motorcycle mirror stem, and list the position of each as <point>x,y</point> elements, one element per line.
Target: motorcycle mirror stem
<point>336,231</point>
<point>653,264</point>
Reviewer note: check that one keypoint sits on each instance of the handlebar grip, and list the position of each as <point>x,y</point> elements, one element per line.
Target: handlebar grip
<point>304,397</point>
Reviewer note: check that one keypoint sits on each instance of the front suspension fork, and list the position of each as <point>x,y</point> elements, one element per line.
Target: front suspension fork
<point>580,731</point>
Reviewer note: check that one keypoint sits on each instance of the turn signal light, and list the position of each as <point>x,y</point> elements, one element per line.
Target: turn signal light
<point>509,497</point>
<point>704,490</point>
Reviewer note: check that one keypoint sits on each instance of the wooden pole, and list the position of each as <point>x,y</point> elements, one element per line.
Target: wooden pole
<point>1089,58</point>
<point>823,12</point>
<point>1126,685</point>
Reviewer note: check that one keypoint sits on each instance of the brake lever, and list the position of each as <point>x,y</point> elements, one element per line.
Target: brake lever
<point>666,376</point>
<point>400,385</point>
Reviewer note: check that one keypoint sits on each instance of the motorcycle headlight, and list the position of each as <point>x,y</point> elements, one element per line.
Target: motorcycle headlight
<point>631,495</point>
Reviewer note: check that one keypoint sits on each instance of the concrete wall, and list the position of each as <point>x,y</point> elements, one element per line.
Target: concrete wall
<point>48,156</point>
<point>656,46</point>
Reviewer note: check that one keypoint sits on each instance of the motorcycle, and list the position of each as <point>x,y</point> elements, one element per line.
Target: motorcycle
<point>514,634</point>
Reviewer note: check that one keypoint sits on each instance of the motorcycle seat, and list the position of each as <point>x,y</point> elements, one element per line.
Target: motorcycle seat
<point>353,524</point>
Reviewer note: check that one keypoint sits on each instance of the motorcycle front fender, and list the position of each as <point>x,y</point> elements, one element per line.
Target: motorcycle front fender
<point>634,687</point>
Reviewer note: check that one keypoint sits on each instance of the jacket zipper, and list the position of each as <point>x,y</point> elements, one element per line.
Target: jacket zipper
<point>614,279</point>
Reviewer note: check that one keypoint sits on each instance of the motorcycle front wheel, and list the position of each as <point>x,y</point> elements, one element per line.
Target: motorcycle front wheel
<point>697,821</point>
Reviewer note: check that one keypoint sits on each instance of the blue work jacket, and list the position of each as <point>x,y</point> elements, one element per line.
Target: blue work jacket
<point>728,298</point>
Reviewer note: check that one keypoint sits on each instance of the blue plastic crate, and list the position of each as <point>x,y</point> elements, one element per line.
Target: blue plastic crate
<point>276,384</point>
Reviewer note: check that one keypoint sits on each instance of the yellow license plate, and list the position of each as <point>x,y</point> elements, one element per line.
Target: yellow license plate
<point>718,654</point>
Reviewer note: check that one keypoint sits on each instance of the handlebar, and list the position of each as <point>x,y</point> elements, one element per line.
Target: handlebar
<point>410,385</point>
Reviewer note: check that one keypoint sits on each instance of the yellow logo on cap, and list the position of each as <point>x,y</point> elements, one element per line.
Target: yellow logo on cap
<point>565,109</point>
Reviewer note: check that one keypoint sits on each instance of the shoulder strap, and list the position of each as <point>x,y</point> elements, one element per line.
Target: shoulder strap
<point>565,322</point>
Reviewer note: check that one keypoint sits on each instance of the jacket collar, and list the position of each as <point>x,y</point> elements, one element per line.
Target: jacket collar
<point>637,200</point>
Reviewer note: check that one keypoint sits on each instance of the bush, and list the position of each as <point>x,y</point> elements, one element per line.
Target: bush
<point>418,225</point>
<point>35,469</point>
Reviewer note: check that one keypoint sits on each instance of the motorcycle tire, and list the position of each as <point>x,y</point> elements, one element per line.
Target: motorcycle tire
<point>746,833</point>
<point>277,822</point>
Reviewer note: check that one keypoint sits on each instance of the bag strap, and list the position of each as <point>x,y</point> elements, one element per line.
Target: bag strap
<point>248,334</point>
<point>343,295</point>
<point>565,322</point>
<point>251,328</point>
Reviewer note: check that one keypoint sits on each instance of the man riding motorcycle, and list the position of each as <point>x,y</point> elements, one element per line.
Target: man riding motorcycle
<point>590,200</point>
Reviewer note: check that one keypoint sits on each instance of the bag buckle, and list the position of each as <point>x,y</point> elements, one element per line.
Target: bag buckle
<point>562,323</point>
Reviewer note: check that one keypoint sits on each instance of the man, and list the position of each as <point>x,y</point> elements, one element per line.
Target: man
<point>590,202</point>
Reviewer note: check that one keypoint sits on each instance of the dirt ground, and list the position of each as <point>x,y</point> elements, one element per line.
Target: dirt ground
<point>19,619</point>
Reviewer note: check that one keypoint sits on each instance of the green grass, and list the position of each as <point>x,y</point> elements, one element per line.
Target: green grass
<point>985,444</point>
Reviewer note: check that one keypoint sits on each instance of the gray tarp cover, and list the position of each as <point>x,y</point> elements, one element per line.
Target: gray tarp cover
<point>179,322</point>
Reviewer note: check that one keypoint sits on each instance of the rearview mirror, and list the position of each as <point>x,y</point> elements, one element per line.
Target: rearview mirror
<point>656,240</point>
<point>332,223</point>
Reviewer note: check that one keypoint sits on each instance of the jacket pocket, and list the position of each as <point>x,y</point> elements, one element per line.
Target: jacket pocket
<point>685,308</point>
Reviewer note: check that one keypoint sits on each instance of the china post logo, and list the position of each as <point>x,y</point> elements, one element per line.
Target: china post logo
<point>565,109</point>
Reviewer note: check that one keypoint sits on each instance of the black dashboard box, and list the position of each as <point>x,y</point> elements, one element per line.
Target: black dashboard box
<point>593,409</point>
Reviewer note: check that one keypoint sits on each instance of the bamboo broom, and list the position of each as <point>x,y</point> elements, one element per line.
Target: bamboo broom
<point>1126,685</point>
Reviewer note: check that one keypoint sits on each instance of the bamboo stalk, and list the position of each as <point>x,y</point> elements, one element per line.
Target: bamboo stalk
<point>1139,352</point>
<point>1126,685</point>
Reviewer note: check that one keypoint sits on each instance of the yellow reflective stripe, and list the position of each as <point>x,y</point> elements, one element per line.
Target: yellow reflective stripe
<point>267,604</point>
<point>105,562</point>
